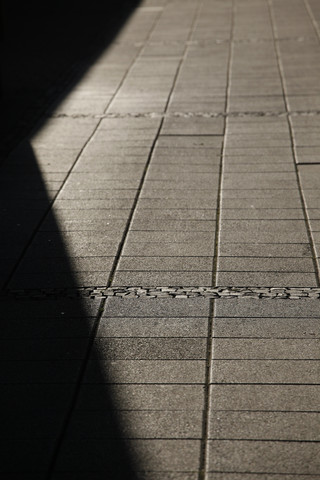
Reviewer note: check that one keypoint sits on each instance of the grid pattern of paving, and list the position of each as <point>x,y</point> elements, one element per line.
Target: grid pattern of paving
<point>183,166</point>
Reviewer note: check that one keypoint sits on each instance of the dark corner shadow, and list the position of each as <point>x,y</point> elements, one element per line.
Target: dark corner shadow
<point>44,47</point>
<point>58,412</point>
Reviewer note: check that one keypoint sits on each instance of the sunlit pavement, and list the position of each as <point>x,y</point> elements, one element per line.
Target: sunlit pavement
<point>159,255</point>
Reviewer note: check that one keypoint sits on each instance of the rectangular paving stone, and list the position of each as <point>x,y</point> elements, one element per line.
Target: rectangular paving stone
<point>297,265</point>
<point>165,249</point>
<point>262,214</point>
<point>165,263</point>
<point>181,191</point>
<point>272,348</point>
<point>261,250</point>
<point>172,237</point>
<point>268,457</point>
<point>149,327</point>
<point>148,224</point>
<point>156,307</point>
<point>193,126</point>
<point>294,426</point>
<point>160,278</point>
<point>176,213</point>
<point>257,308</point>
<point>135,424</point>
<point>263,235</point>
<point>272,328</point>
<point>262,181</point>
<point>146,371</point>
<point>266,371</point>
<point>151,348</point>
<point>141,397</point>
<point>273,279</point>
<point>286,398</point>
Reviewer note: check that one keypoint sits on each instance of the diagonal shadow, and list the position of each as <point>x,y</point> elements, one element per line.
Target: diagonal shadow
<point>47,338</point>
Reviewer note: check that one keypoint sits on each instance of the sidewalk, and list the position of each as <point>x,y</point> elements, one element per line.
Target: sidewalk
<point>160,256</point>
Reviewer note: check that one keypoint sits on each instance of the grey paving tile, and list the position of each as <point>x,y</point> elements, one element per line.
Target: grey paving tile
<point>269,457</point>
<point>293,349</point>
<point>156,307</point>
<point>280,194</point>
<point>294,426</point>
<point>230,201</point>
<point>179,264</point>
<point>263,279</point>
<point>266,328</point>
<point>193,126</point>
<point>140,476</point>
<point>262,213</point>
<point>230,166</point>
<point>174,237</point>
<point>259,180</point>
<point>135,424</point>
<point>262,153</point>
<point>141,249</point>
<point>147,371</point>
<point>142,396</point>
<point>175,191</point>
<point>262,234</point>
<point>176,213</point>
<point>156,278</point>
<point>159,202</point>
<point>149,327</point>
<point>257,308</point>
<point>285,398</point>
<point>285,250</point>
<point>147,224</point>
<point>296,265</point>
<point>266,371</point>
<point>188,141</point>
<point>247,140</point>
<point>152,348</point>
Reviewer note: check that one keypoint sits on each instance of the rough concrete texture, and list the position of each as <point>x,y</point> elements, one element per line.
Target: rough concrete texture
<point>160,232</point>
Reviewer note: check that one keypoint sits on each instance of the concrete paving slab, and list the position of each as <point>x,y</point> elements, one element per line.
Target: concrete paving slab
<point>270,457</point>
<point>264,397</point>
<point>155,278</point>
<point>272,348</point>
<point>266,371</point>
<point>272,328</point>
<point>266,278</point>
<point>151,424</point>
<point>147,371</point>
<point>155,328</point>
<point>149,348</point>
<point>142,397</point>
<point>282,426</point>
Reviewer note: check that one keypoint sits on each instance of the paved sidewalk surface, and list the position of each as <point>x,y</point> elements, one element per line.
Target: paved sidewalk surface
<point>160,234</point>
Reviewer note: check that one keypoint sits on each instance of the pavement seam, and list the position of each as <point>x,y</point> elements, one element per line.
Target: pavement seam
<point>204,465</point>
<point>295,160</point>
